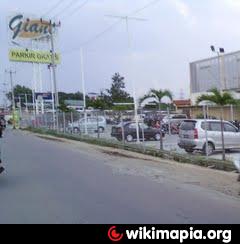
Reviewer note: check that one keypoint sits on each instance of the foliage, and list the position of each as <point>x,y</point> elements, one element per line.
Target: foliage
<point>117,91</point>
<point>69,96</point>
<point>159,95</point>
<point>218,98</point>
<point>20,91</point>
<point>63,108</point>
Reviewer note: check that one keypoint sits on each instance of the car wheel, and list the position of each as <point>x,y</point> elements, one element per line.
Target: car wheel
<point>100,129</point>
<point>189,150</point>
<point>210,149</point>
<point>129,138</point>
<point>158,137</point>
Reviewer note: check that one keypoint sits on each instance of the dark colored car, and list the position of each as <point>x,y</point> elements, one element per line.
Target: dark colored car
<point>130,132</point>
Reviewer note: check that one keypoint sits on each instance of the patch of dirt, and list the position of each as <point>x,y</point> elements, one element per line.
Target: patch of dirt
<point>50,139</point>
<point>122,155</point>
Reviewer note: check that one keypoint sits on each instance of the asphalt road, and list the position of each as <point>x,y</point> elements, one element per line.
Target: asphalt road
<point>51,182</point>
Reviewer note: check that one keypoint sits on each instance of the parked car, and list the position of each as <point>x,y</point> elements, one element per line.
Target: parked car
<point>130,132</point>
<point>192,136</point>
<point>94,124</point>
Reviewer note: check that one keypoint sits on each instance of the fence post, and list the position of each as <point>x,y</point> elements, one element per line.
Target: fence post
<point>72,121</point>
<point>169,123</point>
<point>64,122</point>
<point>161,137</point>
<point>98,129</point>
<point>123,132</point>
<point>143,138</point>
<point>79,126</point>
<point>232,113</point>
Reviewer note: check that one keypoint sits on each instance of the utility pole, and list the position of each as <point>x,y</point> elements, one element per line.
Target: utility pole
<point>26,103</point>
<point>20,106</point>
<point>127,19</point>
<point>54,71</point>
<point>10,72</point>
<point>84,92</point>
<point>53,100</point>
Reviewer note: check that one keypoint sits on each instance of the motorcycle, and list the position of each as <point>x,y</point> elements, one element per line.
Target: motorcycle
<point>174,128</point>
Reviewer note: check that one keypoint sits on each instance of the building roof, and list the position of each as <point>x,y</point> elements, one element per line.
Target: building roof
<point>182,103</point>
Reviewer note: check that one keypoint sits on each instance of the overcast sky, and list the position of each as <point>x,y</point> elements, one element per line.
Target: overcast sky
<point>176,32</point>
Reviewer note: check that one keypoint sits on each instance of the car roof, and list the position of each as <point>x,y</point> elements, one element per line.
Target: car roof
<point>203,120</point>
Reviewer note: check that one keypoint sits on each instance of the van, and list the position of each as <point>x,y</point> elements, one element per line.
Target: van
<point>192,136</point>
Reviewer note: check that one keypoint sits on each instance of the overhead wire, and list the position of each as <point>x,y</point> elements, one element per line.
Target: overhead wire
<point>69,5</point>
<point>109,28</point>
<point>145,7</point>
<point>55,6</point>
<point>74,11</point>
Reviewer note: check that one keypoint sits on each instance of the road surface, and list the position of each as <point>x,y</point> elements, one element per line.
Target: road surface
<point>49,181</point>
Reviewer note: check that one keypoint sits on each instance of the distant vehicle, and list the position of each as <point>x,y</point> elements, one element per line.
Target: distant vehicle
<point>94,124</point>
<point>80,110</point>
<point>50,111</point>
<point>152,117</point>
<point>174,117</point>
<point>192,136</point>
<point>130,132</point>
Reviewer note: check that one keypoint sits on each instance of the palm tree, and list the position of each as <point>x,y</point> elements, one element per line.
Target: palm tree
<point>158,95</point>
<point>222,99</point>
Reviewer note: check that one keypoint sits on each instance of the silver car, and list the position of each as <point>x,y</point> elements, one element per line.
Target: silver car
<point>92,124</point>
<point>192,136</point>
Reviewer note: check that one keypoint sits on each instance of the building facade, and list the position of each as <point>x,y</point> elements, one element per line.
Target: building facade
<point>221,72</point>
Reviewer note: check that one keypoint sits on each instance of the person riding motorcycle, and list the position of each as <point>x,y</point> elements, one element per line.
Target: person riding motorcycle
<point>1,133</point>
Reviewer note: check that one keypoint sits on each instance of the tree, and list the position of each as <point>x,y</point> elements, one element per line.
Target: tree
<point>99,103</point>
<point>20,91</point>
<point>69,96</point>
<point>64,108</point>
<point>222,99</point>
<point>117,91</point>
<point>158,95</point>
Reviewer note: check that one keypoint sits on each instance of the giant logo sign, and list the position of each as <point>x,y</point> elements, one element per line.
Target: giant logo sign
<point>28,28</point>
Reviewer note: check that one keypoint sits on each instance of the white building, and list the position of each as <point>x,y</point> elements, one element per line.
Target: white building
<point>221,72</point>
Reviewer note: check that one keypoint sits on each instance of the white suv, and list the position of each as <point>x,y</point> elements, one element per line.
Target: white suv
<point>93,124</point>
<point>192,136</point>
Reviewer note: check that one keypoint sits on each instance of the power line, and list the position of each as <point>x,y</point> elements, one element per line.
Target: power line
<point>113,25</point>
<point>77,9</point>
<point>145,7</point>
<point>94,37</point>
<point>53,7</point>
<point>65,8</point>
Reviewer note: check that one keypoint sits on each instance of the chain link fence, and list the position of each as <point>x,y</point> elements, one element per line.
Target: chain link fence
<point>153,131</point>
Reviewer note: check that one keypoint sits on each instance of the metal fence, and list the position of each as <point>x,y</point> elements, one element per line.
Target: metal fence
<point>119,126</point>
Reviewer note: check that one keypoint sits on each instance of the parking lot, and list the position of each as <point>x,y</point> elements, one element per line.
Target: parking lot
<point>170,143</point>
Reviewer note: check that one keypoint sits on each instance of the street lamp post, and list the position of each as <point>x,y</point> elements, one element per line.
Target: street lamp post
<point>223,87</point>
<point>127,18</point>
<point>84,92</point>
<point>220,66</point>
